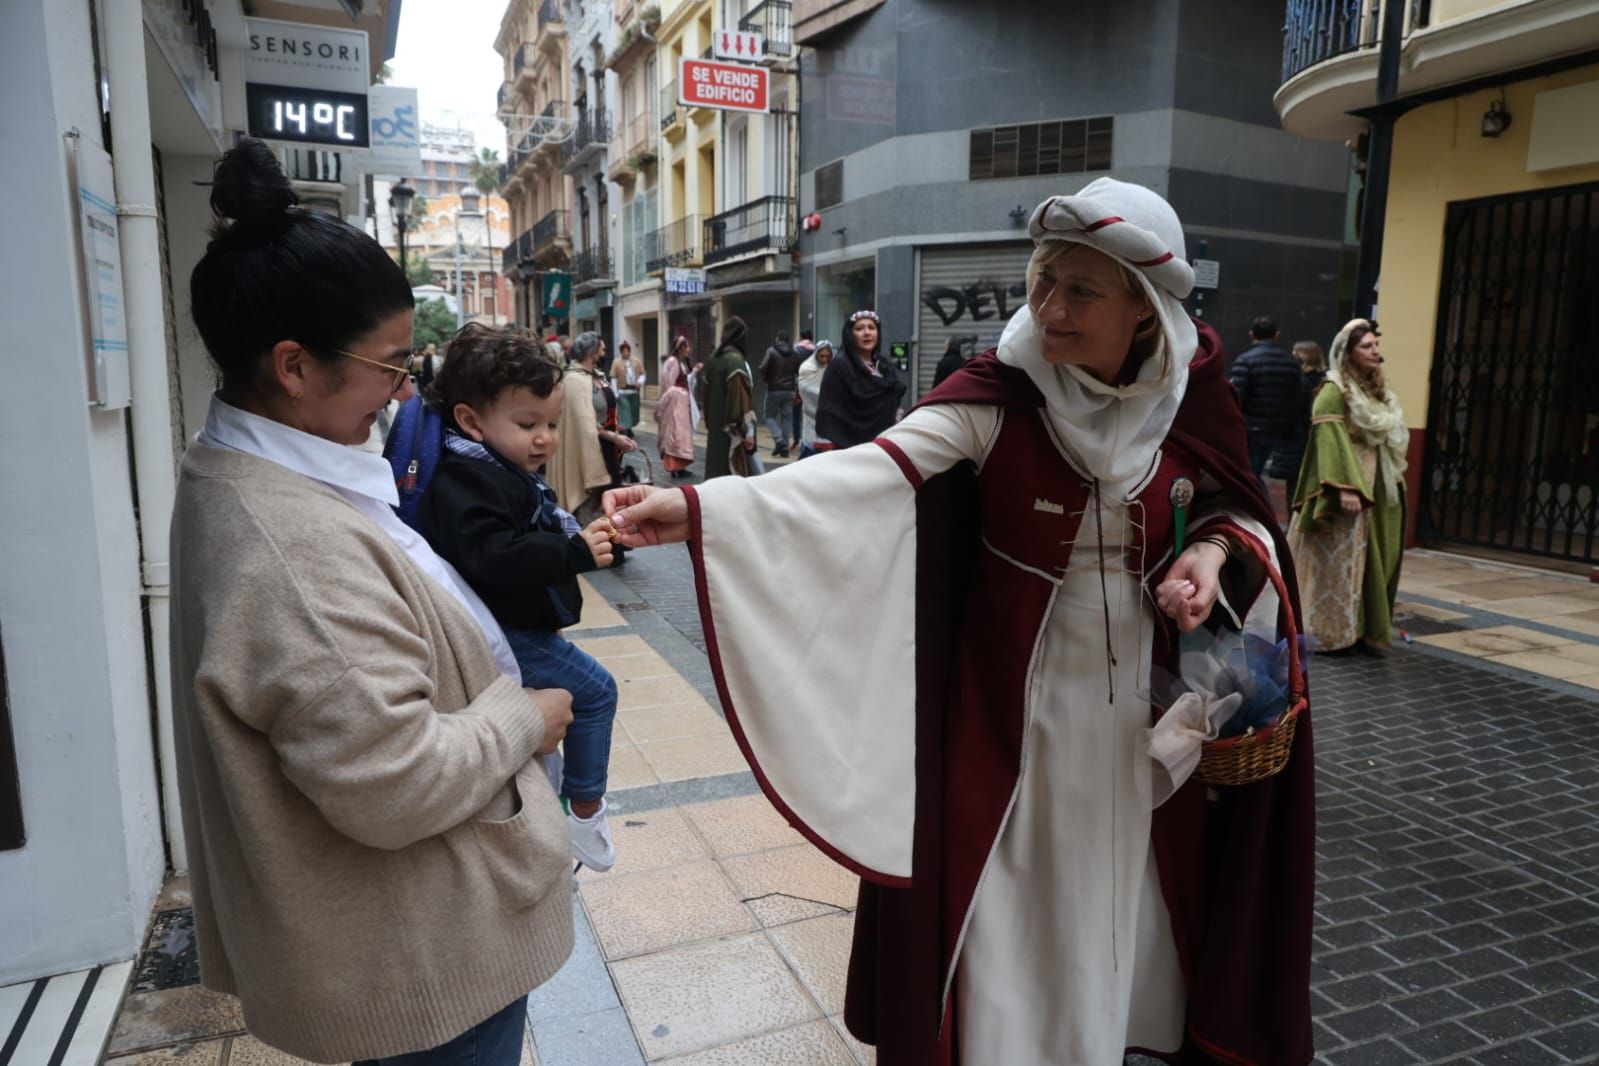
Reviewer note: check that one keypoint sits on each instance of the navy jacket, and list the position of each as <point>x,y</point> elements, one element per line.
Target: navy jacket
<point>1269,381</point>
<point>479,516</point>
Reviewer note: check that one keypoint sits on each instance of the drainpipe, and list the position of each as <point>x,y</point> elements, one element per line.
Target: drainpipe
<point>151,413</point>
<point>1379,158</point>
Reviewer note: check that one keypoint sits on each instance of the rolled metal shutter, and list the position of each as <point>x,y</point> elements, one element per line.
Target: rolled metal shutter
<point>968,291</point>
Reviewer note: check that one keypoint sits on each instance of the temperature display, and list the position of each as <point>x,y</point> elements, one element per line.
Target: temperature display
<point>307,116</point>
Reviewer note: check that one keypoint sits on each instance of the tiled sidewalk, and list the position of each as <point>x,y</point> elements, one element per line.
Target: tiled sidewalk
<point>1545,624</point>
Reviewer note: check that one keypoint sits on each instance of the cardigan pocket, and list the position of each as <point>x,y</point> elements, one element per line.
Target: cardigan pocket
<point>526,854</point>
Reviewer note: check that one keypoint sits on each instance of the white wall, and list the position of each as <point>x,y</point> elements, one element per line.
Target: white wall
<point>79,891</point>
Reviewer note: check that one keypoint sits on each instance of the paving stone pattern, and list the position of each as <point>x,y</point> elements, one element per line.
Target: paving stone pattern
<point>1456,916</point>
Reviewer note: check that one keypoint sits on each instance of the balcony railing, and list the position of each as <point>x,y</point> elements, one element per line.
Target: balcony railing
<point>674,244</point>
<point>313,164</point>
<point>523,60</point>
<point>519,249</point>
<point>772,19</point>
<point>669,115</point>
<point>592,264</point>
<point>550,11</point>
<point>767,224</point>
<point>551,228</point>
<point>504,94</point>
<point>1318,30</point>
<point>593,132</point>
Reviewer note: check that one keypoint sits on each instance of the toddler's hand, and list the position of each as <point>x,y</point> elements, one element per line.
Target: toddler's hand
<point>599,536</point>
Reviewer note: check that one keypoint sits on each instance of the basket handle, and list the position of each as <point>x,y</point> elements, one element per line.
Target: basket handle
<point>1296,673</point>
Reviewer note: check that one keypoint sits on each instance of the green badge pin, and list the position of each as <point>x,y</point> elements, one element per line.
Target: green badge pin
<point>1182,494</point>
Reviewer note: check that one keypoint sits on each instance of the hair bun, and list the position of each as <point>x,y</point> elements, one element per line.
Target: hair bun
<point>249,183</point>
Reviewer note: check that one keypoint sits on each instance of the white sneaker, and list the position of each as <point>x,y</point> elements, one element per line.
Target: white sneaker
<point>591,840</point>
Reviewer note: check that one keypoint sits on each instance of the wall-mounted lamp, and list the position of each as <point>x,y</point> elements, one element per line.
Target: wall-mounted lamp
<point>1018,215</point>
<point>1496,119</point>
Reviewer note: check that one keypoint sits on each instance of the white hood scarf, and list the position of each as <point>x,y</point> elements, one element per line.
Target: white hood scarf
<point>1113,432</point>
<point>1380,421</point>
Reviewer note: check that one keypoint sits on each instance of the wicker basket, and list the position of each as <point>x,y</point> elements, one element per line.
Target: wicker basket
<point>1261,753</point>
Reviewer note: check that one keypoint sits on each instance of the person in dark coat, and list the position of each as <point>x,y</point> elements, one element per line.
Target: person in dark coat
<point>954,355</point>
<point>862,391</point>
<point>780,371</point>
<point>1268,380</point>
<point>1286,458</point>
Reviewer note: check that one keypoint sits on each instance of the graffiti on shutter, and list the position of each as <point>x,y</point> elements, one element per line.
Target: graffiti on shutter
<point>967,293</point>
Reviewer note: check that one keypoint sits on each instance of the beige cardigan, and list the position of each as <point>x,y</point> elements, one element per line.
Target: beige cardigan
<point>377,863</point>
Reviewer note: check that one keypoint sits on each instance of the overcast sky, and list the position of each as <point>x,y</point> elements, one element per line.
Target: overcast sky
<point>446,52</point>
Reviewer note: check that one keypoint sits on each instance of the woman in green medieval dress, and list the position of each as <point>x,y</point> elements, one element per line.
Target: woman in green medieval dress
<point>1347,531</point>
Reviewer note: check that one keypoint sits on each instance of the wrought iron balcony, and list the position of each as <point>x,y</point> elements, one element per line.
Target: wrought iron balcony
<point>523,61</point>
<point>674,244</point>
<point>504,94</point>
<point>551,228</point>
<point>773,20</point>
<point>592,264</point>
<point>642,134</point>
<point>1318,30</point>
<point>669,108</point>
<point>592,135</point>
<point>550,11</point>
<point>767,224</point>
<point>521,248</point>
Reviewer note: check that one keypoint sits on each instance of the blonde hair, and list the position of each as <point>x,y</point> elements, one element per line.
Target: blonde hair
<point>1050,253</point>
<point>1311,357</point>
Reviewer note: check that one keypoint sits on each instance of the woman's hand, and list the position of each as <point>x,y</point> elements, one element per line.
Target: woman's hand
<point>598,536</point>
<point>1349,501</point>
<point>1192,585</point>
<point>624,443</point>
<point>644,515</point>
<point>555,704</point>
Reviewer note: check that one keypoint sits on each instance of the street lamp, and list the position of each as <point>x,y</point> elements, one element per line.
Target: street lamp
<point>400,199</point>
<point>469,208</point>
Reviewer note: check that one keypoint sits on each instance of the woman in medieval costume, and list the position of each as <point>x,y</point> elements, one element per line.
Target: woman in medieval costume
<point>1349,508</point>
<point>730,407</point>
<point>674,419</point>
<point>972,741</point>
<point>861,392</point>
<point>579,466</point>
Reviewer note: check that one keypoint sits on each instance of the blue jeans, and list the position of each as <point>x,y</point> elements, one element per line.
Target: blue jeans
<point>779,415</point>
<point>495,1042</point>
<point>548,660</point>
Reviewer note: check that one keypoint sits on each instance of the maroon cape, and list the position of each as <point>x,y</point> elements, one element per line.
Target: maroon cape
<point>1238,873</point>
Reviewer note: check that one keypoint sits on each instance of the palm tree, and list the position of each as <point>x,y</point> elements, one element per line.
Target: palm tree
<point>486,174</point>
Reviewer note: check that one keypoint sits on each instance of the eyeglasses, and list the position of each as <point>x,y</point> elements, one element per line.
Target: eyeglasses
<point>399,372</point>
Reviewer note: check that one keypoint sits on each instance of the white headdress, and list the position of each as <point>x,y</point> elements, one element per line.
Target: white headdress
<point>1380,421</point>
<point>1113,431</point>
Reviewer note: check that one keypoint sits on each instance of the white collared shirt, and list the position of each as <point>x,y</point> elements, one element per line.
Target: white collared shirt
<point>366,481</point>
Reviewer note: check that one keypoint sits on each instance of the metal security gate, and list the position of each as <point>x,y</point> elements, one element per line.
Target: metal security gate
<point>969,293</point>
<point>1512,438</point>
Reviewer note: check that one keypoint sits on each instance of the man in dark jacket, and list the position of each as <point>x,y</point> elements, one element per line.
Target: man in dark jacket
<point>780,372</point>
<point>1269,381</point>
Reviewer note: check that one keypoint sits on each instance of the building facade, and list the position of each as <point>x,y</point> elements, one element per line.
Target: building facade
<point>585,157</point>
<point>1490,249</point>
<point>533,41</point>
<point>451,211</point>
<point>930,130</point>
<point>116,381</point>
